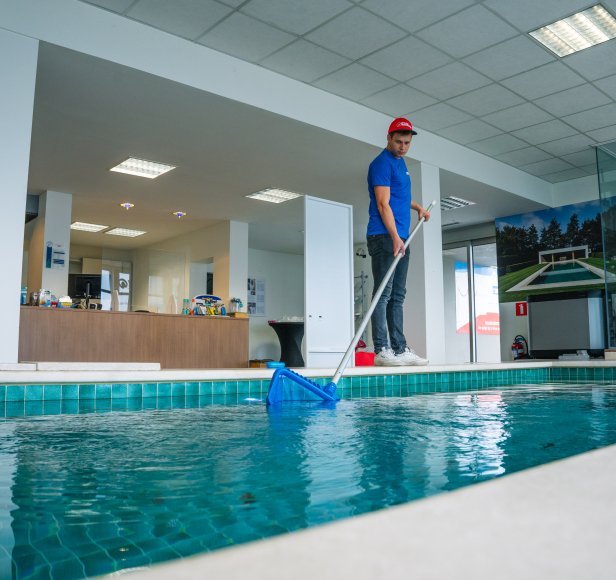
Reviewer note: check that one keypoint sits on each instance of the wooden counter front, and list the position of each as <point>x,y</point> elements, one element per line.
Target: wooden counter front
<point>174,341</point>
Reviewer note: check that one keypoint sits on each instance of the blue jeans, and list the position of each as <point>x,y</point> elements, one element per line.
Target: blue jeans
<point>387,318</point>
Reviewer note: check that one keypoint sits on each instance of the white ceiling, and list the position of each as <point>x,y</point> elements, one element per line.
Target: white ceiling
<point>464,70</point>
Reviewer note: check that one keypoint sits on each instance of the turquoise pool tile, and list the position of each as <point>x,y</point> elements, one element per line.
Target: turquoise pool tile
<point>243,387</point>
<point>52,392</point>
<point>231,388</point>
<point>87,392</point>
<point>134,404</point>
<point>150,390</point>
<point>217,388</point>
<point>149,402</point>
<point>2,393</point>
<point>163,403</point>
<point>15,393</point>
<point>69,392</point>
<point>15,408</point>
<point>254,389</point>
<point>102,391</point>
<point>119,391</point>
<point>33,407</point>
<point>178,390</point>
<point>206,388</point>
<point>119,404</point>
<point>103,405</point>
<point>164,390</point>
<point>178,402</point>
<point>34,392</point>
<point>52,407</point>
<point>134,390</point>
<point>192,389</point>
<point>87,405</point>
<point>67,407</point>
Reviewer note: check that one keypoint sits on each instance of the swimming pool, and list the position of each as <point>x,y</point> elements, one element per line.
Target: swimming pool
<point>567,272</point>
<point>92,493</point>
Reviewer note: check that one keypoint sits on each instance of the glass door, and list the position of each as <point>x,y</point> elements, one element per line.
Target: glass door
<point>472,325</point>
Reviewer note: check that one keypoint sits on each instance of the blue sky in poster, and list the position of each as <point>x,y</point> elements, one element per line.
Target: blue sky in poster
<point>541,219</point>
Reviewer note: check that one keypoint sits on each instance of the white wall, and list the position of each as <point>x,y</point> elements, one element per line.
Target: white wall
<point>284,296</point>
<point>17,74</point>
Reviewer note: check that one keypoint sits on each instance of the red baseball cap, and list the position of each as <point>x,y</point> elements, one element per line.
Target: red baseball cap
<point>401,124</point>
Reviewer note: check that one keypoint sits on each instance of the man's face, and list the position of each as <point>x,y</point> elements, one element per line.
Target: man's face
<point>398,144</point>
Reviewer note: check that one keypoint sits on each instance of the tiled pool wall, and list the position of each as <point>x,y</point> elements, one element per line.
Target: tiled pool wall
<point>38,399</point>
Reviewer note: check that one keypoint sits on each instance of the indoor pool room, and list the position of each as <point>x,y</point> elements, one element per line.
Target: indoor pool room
<point>308,290</point>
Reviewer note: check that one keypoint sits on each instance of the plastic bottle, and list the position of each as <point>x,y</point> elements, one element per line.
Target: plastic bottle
<point>24,295</point>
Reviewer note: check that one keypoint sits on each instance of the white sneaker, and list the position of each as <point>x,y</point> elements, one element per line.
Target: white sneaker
<point>387,358</point>
<point>410,357</point>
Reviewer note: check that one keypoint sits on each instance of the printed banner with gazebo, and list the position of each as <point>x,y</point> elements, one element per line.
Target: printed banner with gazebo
<point>551,250</point>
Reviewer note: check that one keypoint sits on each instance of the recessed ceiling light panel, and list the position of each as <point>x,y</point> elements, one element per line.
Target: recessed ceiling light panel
<point>274,195</point>
<point>453,202</point>
<point>582,30</point>
<point>125,232</point>
<point>85,227</point>
<point>142,168</point>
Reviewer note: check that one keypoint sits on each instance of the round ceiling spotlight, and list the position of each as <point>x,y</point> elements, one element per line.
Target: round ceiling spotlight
<point>179,214</point>
<point>127,205</point>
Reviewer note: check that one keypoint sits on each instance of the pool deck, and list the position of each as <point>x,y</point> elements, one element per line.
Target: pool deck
<point>51,372</point>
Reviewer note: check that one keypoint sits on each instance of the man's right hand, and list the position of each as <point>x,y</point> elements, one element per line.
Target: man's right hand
<point>398,244</point>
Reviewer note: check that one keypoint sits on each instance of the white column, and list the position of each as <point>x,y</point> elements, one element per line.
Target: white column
<point>18,59</point>
<point>238,260</point>
<point>424,319</point>
<point>50,244</point>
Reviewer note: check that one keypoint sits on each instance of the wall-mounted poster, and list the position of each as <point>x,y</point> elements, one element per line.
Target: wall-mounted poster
<point>256,296</point>
<point>551,250</point>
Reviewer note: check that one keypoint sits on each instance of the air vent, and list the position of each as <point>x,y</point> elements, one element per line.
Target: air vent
<point>452,202</point>
<point>451,224</point>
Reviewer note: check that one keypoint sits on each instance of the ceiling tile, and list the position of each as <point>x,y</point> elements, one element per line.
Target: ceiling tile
<point>468,31</point>
<point>546,167</point>
<point>406,58</point>
<point>398,100</point>
<point>438,116</point>
<point>573,100</point>
<point>518,117</point>
<point>596,62</point>
<point>545,80</point>
<point>604,135</point>
<point>571,144</point>
<point>246,38</point>
<point>497,145</point>
<point>608,84</point>
<point>582,158</point>
<point>448,81</point>
<point>469,131</point>
<point>415,14</point>
<point>593,119</point>
<point>509,58</point>
<point>355,33</point>
<point>115,5</point>
<point>233,3</point>
<point>530,14</point>
<point>590,169</point>
<point>486,100</point>
<point>544,132</point>
<point>186,18</point>
<point>304,61</point>
<point>355,82</point>
<point>565,175</point>
<point>524,156</point>
<point>295,16</point>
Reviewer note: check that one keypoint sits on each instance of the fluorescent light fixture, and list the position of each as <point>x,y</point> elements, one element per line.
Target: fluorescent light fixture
<point>142,168</point>
<point>85,227</point>
<point>127,205</point>
<point>125,232</point>
<point>582,30</point>
<point>274,195</point>
<point>453,202</point>
<point>180,214</point>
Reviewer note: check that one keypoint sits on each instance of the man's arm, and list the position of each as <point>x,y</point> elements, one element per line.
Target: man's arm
<point>382,194</point>
<point>421,212</point>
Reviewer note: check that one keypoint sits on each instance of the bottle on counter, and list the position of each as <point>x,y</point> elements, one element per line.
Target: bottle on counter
<point>24,295</point>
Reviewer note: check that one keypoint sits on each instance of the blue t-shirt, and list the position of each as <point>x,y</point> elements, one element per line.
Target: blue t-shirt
<point>389,171</point>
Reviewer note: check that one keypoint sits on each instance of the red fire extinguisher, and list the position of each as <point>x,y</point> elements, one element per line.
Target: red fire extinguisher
<point>519,348</point>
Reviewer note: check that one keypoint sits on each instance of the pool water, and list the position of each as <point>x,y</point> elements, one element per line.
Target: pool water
<point>569,272</point>
<point>89,494</point>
